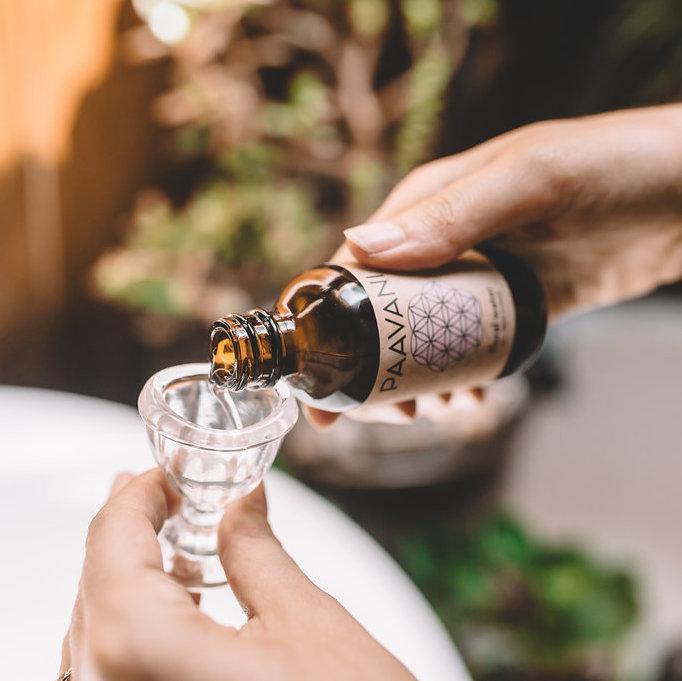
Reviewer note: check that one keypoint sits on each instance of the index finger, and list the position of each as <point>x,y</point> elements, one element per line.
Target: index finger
<point>262,575</point>
<point>434,176</point>
<point>140,622</point>
<point>506,194</point>
<point>122,536</point>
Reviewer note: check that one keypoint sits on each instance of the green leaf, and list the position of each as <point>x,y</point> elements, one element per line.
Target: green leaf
<point>422,16</point>
<point>368,17</point>
<point>193,139</point>
<point>428,80</point>
<point>250,163</point>
<point>419,561</point>
<point>473,589</point>
<point>478,12</point>
<point>553,606</point>
<point>153,295</point>
<point>503,542</point>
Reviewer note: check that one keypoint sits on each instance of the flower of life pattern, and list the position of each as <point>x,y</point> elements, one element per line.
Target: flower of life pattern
<point>446,325</point>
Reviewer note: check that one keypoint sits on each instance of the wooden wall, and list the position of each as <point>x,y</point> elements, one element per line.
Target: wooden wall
<point>76,142</point>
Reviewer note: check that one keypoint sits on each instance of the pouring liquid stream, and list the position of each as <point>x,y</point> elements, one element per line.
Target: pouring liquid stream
<point>226,404</point>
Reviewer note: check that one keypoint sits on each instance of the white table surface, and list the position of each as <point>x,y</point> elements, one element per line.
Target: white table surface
<point>59,453</point>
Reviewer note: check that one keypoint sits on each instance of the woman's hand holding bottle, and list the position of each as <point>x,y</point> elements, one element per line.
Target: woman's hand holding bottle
<point>594,205</point>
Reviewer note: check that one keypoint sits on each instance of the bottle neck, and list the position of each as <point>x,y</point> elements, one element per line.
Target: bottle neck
<point>249,350</point>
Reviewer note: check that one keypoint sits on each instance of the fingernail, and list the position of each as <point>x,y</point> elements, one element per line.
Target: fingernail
<point>376,237</point>
<point>478,393</point>
<point>408,408</point>
<point>320,420</point>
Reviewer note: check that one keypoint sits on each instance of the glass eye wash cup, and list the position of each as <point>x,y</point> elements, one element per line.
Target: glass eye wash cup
<point>214,447</point>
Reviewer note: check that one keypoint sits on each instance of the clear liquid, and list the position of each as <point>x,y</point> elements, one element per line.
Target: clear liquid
<point>210,478</point>
<point>204,404</point>
<point>226,402</point>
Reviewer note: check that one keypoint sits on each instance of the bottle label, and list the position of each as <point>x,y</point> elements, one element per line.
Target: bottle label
<point>447,329</point>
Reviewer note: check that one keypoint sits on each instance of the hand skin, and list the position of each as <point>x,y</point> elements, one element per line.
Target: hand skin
<point>132,622</point>
<point>593,204</point>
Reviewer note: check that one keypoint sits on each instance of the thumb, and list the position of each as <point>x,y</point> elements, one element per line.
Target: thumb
<point>436,230</point>
<point>263,577</point>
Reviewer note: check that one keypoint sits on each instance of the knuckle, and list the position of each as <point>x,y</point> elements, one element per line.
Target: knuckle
<point>414,176</point>
<point>547,159</point>
<point>440,221</point>
<point>540,131</point>
<point>237,541</point>
<point>237,577</point>
<point>114,650</point>
<point>103,521</point>
<point>538,128</point>
<point>438,216</point>
<point>100,520</point>
<point>227,546</point>
<point>243,541</point>
<point>554,184</point>
<point>234,531</point>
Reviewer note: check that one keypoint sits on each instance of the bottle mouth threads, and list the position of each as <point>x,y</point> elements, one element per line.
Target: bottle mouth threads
<point>245,351</point>
<point>224,351</point>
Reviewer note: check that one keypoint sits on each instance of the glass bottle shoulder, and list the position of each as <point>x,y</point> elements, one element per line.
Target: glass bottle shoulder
<point>332,350</point>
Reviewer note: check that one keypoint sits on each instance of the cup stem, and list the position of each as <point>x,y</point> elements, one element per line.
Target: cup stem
<point>198,518</point>
<point>189,543</point>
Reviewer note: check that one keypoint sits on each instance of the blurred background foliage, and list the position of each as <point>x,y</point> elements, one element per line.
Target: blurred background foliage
<point>518,607</point>
<point>295,119</point>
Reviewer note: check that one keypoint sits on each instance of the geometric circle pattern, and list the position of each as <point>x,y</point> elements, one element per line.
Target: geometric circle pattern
<point>446,325</point>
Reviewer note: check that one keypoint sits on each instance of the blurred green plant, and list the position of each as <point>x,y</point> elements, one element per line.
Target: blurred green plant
<point>302,114</point>
<point>638,57</point>
<point>515,603</point>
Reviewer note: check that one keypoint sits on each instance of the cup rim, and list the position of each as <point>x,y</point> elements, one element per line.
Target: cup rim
<point>159,417</point>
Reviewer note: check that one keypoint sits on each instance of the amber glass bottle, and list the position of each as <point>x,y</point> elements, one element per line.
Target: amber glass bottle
<point>342,335</point>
